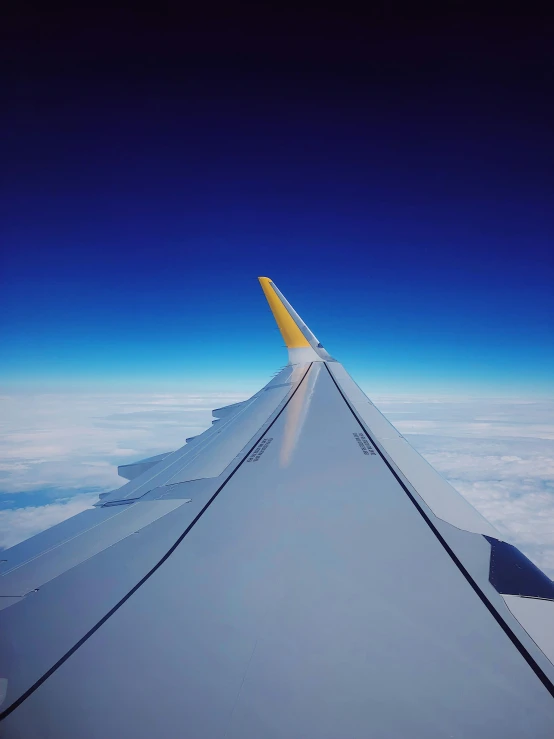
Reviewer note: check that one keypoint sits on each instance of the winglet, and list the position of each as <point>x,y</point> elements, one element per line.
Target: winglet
<point>301,342</point>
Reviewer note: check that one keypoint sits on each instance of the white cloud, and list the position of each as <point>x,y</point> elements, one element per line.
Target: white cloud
<point>55,448</point>
<point>498,453</point>
<point>75,441</point>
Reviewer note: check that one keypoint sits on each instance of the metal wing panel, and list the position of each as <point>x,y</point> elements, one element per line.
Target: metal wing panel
<point>537,618</point>
<point>229,441</point>
<point>439,495</point>
<point>228,410</point>
<point>457,523</point>
<point>310,598</point>
<point>69,605</point>
<point>43,542</point>
<point>125,521</point>
<point>212,451</point>
<point>210,460</point>
<point>130,471</point>
<point>68,561</point>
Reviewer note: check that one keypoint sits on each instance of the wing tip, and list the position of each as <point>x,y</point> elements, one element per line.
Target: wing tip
<point>292,335</point>
<point>299,340</point>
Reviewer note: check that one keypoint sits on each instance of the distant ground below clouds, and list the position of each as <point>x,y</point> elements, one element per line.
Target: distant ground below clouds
<point>58,451</point>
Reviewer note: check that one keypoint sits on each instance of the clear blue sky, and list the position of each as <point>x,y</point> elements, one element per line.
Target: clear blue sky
<point>400,194</point>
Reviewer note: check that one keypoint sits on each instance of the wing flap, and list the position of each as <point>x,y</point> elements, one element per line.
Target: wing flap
<point>21,579</point>
<point>228,410</point>
<point>210,453</point>
<point>130,471</point>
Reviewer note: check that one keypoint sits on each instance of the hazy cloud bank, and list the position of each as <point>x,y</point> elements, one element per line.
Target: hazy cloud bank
<point>498,453</point>
<point>58,451</point>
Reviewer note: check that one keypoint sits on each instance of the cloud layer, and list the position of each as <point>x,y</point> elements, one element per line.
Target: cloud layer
<point>498,453</point>
<point>58,451</point>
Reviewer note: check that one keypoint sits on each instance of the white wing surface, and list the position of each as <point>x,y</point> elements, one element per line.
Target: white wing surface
<point>297,570</point>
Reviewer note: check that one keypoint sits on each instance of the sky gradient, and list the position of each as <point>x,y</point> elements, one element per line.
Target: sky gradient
<point>392,174</point>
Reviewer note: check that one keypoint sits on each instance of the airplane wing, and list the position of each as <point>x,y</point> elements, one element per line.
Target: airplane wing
<point>297,570</point>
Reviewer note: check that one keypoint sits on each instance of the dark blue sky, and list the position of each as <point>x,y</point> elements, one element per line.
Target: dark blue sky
<point>392,173</point>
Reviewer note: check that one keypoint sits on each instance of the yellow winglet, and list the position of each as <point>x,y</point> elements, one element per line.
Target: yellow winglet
<point>294,338</point>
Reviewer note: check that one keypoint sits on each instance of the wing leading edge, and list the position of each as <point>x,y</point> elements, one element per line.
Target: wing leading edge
<point>296,570</point>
